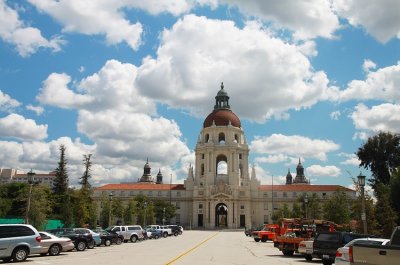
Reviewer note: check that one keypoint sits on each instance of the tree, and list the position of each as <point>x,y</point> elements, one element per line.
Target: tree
<point>395,191</point>
<point>117,208</point>
<point>385,214</point>
<point>40,206</point>
<point>61,178</point>
<point>380,154</point>
<point>86,175</point>
<point>337,208</point>
<point>12,199</point>
<point>130,212</point>
<point>296,211</point>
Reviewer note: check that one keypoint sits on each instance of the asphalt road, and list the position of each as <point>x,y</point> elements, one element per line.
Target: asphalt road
<point>191,248</point>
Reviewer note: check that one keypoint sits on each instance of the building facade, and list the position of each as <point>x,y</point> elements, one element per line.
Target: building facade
<point>12,175</point>
<point>219,191</point>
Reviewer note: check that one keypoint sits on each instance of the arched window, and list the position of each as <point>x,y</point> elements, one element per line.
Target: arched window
<point>202,169</point>
<point>207,138</point>
<point>221,138</point>
<point>222,165</point>
<point>236,138</point>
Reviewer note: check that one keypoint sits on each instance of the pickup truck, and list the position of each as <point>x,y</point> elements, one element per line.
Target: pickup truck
<point>268,232</point>
<point>166,231</point>
<point>306,249</point>
<point>326,243</point>
<point>388,254</point>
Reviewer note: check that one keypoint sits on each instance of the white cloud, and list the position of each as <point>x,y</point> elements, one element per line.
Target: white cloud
<point>37,109</point>
<point>383,84</point>
<point>328,171</point>
<point>272,159</point>
<point>28,40</point>
<point>294,145</point>
<point>16,126</point>
<point>335,115</point>
<point>7,103</point>
<point>351,159</point>
<point>384,117</point>
<point>308,19</point>
<point>191,63</point>
<point>380,18</point>
<point>368,65</point>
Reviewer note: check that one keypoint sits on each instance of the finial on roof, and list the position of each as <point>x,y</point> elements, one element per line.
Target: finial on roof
<point>222,85</point>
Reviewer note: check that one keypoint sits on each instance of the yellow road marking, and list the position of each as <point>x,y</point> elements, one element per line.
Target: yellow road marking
<point>190,250</point>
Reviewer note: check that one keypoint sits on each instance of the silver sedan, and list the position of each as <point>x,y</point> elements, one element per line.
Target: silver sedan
<point>55,244</point>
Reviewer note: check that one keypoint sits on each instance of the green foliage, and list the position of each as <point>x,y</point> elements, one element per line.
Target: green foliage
<point>337,208</point>
<point>105,206</point>
<point>86,175</point>
<point>117,208</point>
<point>12,199</point>
<point>385,214</point>
<point>130,212</point>
<point>61,179</point>
<point>40,207</point>
<point>297,212</point>
<point>395,191</point>
<point>380,154</point>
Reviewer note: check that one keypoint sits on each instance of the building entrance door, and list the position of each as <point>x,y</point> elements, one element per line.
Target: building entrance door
<point>242,220</point>
<point>200,220</point>
<point>221,215</point>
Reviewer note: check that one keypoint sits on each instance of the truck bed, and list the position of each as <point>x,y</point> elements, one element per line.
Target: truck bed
<point>375,254</point>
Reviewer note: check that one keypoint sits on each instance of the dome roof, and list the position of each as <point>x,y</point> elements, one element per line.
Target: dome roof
<point>222,117</point>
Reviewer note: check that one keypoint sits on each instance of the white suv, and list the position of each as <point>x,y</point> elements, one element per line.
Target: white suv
<point>129,232</point>
<point>17,241</point>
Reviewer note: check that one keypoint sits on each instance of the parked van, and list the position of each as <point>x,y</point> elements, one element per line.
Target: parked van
<point>17,241</point>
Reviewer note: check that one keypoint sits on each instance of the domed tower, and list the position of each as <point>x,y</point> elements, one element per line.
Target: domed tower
<point>146,173</point>
<point>159,177</point>
<point>300,177</point>
<point>289,178</point>
<point>221,167</point>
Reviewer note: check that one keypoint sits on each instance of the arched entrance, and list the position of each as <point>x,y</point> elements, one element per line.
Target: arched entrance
<point>221,215</point>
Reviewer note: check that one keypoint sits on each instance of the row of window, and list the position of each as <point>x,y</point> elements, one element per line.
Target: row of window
<point>149,193</point>
<point>285,194</point>
<point>221,138</point>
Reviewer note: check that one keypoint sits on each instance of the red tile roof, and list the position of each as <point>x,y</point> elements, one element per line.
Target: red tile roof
<point>141,186</point>
<point>303,187</point>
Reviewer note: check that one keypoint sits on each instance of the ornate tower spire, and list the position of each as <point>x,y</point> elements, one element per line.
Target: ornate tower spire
<point>222,99</point>
<point>159,177</point>
<point>289,178</point>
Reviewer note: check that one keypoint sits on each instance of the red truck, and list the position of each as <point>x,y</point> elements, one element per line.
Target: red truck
<point>295,230</point>
<point>269,232</point>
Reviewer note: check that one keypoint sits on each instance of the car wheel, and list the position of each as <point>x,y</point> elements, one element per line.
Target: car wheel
<point>119,241</point>
<point>81,246</point>
<point>326,262</point>
<point>156,237</point>
<point>134,239</point>
<point>257,239</point>
<point>308,257</point>
<point>107,242</point>
<point>264,239</point>
<point>165,234</point>
<point>54,250</point>
<point>19,254</point>
<point>91,244</point>
<point>176,234</point>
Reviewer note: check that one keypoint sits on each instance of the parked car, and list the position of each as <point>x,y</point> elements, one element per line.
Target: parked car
<point>342,254</point>
<point>306,249</point>
<point>109,237</point>
<point>96,236</point>
<point>176,230</point>
<point>80,238</point>
<point>326,244</point>
<point>55,244</point>
<point>129,232</point>
<point>17,241</point>
<point>154,233</point>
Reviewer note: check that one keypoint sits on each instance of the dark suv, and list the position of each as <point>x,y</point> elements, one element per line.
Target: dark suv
<point>326,243</point>
<point>17,241</point>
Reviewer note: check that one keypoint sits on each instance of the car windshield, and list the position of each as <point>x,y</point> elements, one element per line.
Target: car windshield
<point>369,241</point>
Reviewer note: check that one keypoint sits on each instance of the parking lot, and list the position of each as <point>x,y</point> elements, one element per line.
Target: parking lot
<point>192,247</point>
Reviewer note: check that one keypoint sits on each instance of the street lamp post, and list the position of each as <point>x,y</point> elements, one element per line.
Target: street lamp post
<point>110,195</point>
<point>163,215</point>
<point>361,182</point>
<point>306,204</point>
<point>31,181</point>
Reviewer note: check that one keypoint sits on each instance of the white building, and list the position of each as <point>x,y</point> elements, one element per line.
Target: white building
<point>13,175</point>
<point>219,191</point>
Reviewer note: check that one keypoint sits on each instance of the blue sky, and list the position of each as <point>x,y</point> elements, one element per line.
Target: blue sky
<point>131,80</point>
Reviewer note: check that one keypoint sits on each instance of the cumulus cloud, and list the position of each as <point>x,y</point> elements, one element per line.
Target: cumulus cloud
<point>368,65</point>
<point>327,171</point>
<point>37,109</point>
<point>335,115</point>
<point>384,117</point>
<point>382,84</point>
<point>28,40</point>
<point>379,18</point>
<point>7,103</point>
<point>307,19</point>
<point>294,145</point>
<point>350,159</point>
<point>272,159</point>
<point>190,64</point>
<point>16,126</point>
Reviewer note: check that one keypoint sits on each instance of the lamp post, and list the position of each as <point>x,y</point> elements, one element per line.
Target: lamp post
<point>110,195</point>
<point>163,215</point>
<point>306,204</point>
<point>144,221</point>
<point>361,183</point>
<point>31,181</point>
